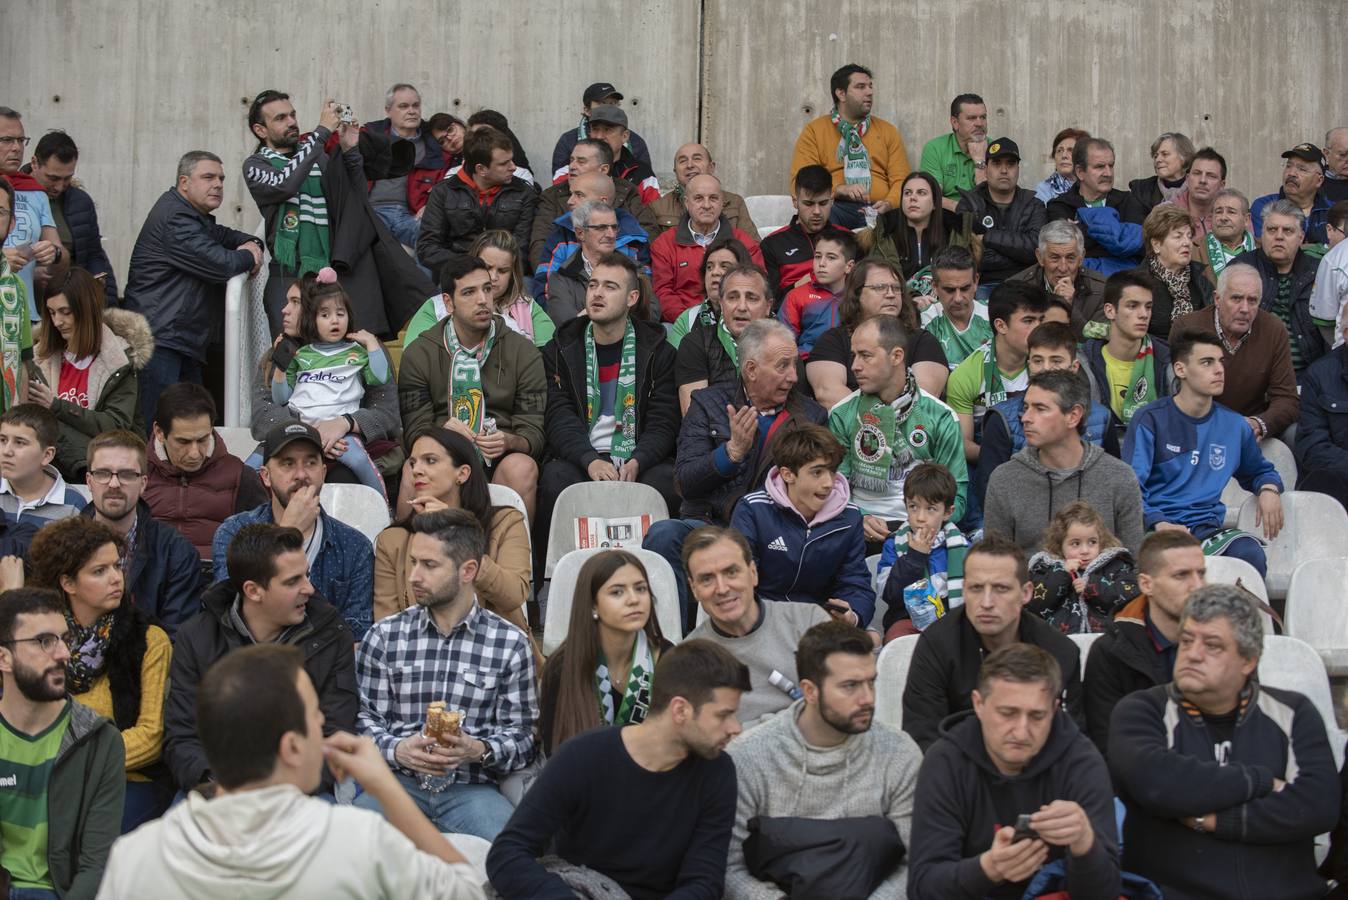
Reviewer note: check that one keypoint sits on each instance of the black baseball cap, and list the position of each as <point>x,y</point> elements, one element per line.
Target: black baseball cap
<point>1308,152</point>
<point>1003,147</point>
<point>600,90</point>
<point>611,115</point>
<point>283,436</point>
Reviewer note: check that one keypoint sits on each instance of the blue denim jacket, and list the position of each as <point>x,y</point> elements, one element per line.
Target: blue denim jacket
<point>343,572</point>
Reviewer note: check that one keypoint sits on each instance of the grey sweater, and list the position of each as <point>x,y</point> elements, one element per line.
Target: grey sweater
<point>779,774</point>
<point>1023,496</point>
<point>772,645</point>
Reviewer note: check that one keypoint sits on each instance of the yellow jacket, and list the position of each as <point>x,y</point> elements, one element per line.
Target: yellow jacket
<point>818,145</point>
<point>145,740</point>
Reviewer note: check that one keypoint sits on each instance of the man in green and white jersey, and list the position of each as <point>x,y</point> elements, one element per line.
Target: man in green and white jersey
<point>888,426</point>
<point>997,369</point>
<point>958,321</point>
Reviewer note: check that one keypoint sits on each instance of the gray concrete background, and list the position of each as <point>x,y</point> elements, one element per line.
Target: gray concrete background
<point>141,81</point>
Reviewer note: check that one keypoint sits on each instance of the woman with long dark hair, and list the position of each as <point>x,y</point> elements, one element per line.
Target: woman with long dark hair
<point>87,359</point>
<point>603,672</point>
<point>119,659</point>
<point>445,471</point>
<point>874,288</point>
<point>910,237</point>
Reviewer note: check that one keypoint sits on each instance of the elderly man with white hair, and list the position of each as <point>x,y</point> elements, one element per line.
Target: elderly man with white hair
<point>727,437</point>
<point>1260,383</point>
<point>1058,269</point>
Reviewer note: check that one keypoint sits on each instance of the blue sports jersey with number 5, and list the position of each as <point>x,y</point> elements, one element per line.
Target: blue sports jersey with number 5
<point>1183,463</point>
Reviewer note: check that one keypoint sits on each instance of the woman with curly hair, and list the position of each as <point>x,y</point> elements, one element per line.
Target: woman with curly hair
<point>119,659</point>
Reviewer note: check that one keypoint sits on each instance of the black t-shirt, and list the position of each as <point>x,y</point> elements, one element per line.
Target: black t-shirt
<point>1222,729</point>
<point>701,357</point>
<point>835,345</point>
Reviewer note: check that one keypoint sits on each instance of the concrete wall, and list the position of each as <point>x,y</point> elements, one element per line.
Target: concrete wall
<point>138,82</point>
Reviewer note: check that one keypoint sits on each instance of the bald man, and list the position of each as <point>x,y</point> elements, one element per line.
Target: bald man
<point>676,255</point>
<point>689,161</point>
<point>558,246</point>
<point>587,156</point>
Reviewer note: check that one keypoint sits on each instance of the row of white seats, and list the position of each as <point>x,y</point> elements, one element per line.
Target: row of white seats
<point>1286,663</point>
<point>1283,459</point>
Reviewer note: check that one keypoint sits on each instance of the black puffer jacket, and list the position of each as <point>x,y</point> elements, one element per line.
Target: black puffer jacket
<point>568,430</point>
<point>82,219</point>
<point>453,217</point>
<point>1010,237</point>
<point>1303,281</point>
<point>329,658</point>
<point>179,267</point>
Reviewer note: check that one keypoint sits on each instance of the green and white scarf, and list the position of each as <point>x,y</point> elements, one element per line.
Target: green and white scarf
<point>636,695</point>
<point>466,401</point>
<point>994,390</point>
<point>728,343</point>
<point>303,241</point>
<point>852,153</point>
<point>624,402</point>
<point>879,449</point>
<point>1219,256</point>
<point>1141,381</point>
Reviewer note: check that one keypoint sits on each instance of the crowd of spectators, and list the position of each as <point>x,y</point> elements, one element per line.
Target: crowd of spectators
<point>1024,403</point>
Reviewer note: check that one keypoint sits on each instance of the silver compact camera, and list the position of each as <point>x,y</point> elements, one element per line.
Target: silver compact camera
<point>344,114</point>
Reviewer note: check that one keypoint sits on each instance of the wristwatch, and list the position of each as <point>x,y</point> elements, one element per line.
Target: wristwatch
<point>982,165</point>
<point>488,755</point>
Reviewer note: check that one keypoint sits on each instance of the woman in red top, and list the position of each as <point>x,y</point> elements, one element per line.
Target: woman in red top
<point>86,361</point>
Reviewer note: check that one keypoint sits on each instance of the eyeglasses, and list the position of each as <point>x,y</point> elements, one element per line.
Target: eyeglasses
<point>104,476</point>
<point>885,288</point>
<point>600,227</point>
<point>47,641</point>
<point>10,139</point>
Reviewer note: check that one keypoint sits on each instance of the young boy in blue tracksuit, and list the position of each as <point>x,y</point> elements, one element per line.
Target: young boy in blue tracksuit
<point>921,567</point>
<point>1185,449</point>
<point>806,537</point>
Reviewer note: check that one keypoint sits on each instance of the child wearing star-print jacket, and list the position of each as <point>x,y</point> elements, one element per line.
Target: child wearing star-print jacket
<point>1083,575</point>
<point>806,537</point>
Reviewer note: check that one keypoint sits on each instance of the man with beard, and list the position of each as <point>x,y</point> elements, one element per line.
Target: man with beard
<point>162,570</point>
<point>267,600</point>
<point>341,560</point>
<point>824,759</point>
<point>449,649</point>
<point>61,765</point>
<point>647,806</point>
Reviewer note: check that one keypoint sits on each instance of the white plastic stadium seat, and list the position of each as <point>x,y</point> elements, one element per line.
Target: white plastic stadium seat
<point>1229,570</point>
<point>361,507</point>
<point>503,495</point>
<point>1315,526</point>
<point>1083,642</point>
<point>1315,610</point>
<point>891,677</point>
<point>1276,452</point>
<point>769,211</point>
<point>1293,665</point>
<point>238,441</point>
<point>664,590</point>
<point>606,499</point>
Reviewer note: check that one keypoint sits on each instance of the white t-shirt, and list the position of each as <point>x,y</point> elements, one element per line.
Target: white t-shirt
<point>1331,288</point>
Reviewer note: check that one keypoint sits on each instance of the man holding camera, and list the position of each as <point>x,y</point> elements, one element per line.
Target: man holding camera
<point>1009,787</point>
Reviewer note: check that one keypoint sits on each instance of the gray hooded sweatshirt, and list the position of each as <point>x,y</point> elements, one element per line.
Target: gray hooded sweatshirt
<point>1024,495</point>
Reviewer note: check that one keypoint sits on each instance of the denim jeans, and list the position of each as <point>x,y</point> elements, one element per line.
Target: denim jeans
<point>401,222</point>
<point>164,368</point>
<point>31,894</point>
<point>145,800</point>
<point>848,213</point>
<point>985,290</point>
<point>461,808</point>
<point>666,538</point>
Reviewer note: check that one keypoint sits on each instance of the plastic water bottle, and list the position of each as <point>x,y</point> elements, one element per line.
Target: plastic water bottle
<point>785,685</point>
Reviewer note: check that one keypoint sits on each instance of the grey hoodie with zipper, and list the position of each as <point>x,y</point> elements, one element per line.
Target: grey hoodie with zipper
<point>1024,495</point>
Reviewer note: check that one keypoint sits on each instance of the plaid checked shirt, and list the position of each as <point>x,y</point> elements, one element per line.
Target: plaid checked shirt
<point>483,666</point>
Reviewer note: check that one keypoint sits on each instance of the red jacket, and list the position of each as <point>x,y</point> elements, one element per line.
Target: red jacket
<point>676,266</point>
<point>198,502</point>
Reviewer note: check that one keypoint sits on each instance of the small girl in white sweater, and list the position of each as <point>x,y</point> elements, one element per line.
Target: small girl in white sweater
<point>327,377</point>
